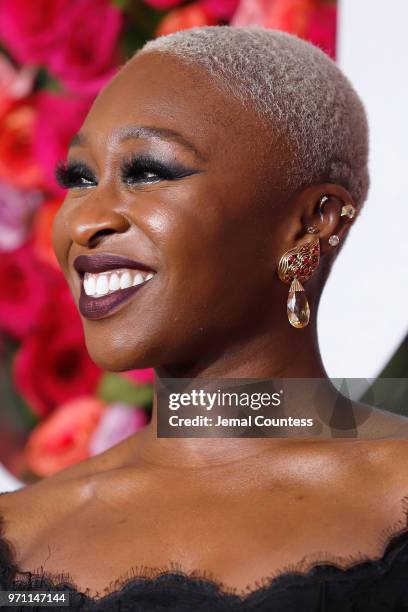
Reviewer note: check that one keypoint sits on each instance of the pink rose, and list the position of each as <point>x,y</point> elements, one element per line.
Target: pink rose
<point>63,438</point>
<point>322,28</point>
<point>52,365</point>
<point>221,9</point>
<point>287,15</point>
<point>14,84</point>
<point>58,119</point>
<point>32,30</point>
<point>75,39</point>
<point>143,377</point>
<point>163,5</point>
<point>17,208</point>
<point>249,13</point>
<point>24,286</point>
<point>86,57</point>
<point>313,20</point>
<point>118,422</point>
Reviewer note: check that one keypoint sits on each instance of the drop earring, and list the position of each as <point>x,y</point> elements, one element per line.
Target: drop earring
<point>295,267</point>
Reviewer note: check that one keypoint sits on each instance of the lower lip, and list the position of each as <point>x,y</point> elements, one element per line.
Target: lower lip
<point>98,308</point>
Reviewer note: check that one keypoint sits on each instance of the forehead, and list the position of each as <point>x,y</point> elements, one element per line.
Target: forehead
<point>158,90</point>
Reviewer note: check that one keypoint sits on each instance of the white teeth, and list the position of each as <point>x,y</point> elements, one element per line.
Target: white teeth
<point>138,279</point>
<point>89,285</point>
<point>114,282</point>
<point>96,285</point>
<point>102,284</point>
<point>125,280</point>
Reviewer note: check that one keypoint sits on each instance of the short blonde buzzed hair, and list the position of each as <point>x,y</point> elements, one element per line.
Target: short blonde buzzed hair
<point>296,87</point>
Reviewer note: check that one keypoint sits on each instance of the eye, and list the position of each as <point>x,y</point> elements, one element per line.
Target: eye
<point>141,176</point>
<point>147,170</point>
<point>74,175</point>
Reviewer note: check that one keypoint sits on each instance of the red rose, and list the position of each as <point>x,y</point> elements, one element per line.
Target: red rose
<point>52,365</point>
<point>42,228</point>
<point>75,39</point>
<point>58,119</point>
<point>63,439</point>
<point>313,20</point>
<point>143,377</point>
<point>31,30</point>
<point>86,57</point>
<point>18,164</point>
<point>184,18</point>
<point>24,286</point>
<point>163,5</point>
<point>221,9</point>
<point>322,28</point>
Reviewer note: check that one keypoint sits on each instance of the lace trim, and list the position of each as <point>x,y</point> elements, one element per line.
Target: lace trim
<point>320,566</point>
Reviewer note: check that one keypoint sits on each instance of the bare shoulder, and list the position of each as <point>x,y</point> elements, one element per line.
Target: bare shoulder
<point>390,458</point>
<point>382,457</point>
<point>27,513</point>
<point>375,423</point>
<point>388,466</point>
<point>379,467</point>
<point>52,499</point>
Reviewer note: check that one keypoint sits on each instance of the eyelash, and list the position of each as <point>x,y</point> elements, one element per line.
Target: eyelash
<point>76,175</point>
<point>69,175</point>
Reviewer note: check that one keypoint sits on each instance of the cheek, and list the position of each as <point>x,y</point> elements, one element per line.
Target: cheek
<point>212,251</point>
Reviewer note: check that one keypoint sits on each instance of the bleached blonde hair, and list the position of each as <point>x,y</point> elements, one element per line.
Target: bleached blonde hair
<point>296,87</point>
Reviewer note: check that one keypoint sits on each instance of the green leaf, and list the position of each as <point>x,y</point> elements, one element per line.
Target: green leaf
<point>44,80</point>
<point>15,411</point>
<point>115,388</point>
<point>120,3</point>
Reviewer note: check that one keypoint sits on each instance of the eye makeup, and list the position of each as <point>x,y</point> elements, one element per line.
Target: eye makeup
<point>74,174</point>
<point>148,169</point>
<point>136,170</point>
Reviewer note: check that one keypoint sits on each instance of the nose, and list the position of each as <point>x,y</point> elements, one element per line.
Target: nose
<point>89,225</point>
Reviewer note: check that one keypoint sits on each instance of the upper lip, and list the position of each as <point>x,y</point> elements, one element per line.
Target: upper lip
<point>103,262</point>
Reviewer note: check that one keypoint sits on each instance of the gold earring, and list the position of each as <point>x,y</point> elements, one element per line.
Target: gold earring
<point>295,267</point>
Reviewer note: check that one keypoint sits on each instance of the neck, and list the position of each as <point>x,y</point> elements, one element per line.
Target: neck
<point>290,354</point>
<point>283,353</point>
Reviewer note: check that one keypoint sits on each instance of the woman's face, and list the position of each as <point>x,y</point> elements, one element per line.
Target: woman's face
<point>171,173</point>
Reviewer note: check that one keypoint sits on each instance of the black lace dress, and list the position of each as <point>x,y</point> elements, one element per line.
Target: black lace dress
<point>366,585</point>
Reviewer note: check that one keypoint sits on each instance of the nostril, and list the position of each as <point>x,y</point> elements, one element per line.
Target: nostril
<point>100,234</point>
<point>90,225</point>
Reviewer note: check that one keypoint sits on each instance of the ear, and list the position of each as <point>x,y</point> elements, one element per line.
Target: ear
<point>324,219</point>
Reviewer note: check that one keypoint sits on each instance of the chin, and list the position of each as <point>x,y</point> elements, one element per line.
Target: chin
<point>118,357</point>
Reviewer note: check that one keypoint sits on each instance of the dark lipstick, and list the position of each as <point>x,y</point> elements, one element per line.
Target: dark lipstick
<point>104,262</point>
<point>98,307</point>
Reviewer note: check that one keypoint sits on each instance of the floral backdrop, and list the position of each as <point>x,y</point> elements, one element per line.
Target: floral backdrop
<point>56,406</point>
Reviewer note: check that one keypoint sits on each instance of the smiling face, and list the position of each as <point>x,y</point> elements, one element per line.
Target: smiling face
<point>172,174</point>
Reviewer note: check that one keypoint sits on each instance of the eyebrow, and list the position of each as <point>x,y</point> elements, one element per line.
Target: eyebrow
<point>130,132</point>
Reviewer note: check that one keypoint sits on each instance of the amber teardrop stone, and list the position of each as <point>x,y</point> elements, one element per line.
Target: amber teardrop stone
<point>298,307</point>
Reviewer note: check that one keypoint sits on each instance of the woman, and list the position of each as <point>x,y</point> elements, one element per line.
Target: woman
<point>214,157</point>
